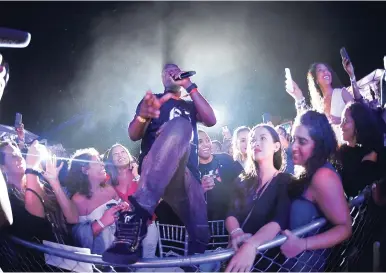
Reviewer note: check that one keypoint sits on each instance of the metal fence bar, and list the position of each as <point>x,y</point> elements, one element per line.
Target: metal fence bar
<point>216,256</point>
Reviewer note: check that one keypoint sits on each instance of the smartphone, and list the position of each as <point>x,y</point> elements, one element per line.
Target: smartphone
<point>110,205</point>
<point>344,54</point>
<point>18,120</point>
<point>288,79</point>
<point>266,117</point>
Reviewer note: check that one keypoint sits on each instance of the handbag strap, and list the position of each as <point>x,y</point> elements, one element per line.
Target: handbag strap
<point>258,194</point>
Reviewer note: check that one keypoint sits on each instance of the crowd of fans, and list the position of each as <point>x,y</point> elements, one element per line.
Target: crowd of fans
<point>262,181</point>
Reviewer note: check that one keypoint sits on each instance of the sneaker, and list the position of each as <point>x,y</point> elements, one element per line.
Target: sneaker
<point>131,229</point>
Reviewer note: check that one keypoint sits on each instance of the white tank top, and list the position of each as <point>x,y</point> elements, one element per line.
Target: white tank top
<point>337,103</point>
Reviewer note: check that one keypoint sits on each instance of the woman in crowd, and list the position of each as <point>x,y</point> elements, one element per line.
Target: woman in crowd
<point>123,176</point>
<point>285,139</point>
<point>361,154</point>
<point>327,96</point>
<point>96,201</point>
<point>44,207</point>
<point>318,192</point>
<point>261,203</point>
<point>239,144</point>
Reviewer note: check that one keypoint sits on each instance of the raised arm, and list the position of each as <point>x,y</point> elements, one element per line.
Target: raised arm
<point>147,109</point>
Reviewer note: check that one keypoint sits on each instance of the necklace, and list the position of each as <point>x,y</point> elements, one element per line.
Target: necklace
<point>260,192</point>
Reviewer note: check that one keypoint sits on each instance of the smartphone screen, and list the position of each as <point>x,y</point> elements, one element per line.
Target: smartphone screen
<point>18,120</point>
<point>344,54</point>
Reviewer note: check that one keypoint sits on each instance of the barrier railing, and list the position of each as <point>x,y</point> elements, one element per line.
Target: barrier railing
<point>268,256</point>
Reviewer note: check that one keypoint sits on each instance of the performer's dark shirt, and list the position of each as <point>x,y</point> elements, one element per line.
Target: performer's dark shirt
<point>171,109</point>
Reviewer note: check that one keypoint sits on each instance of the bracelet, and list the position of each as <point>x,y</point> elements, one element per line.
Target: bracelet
<point>353,79</point>
<point>136,178</point>
<point>141,119</point>
<point>235,230</point>
<point>193,91</point>
<point>191,88</point>
<point>300,102</point>
<point>100,223</point>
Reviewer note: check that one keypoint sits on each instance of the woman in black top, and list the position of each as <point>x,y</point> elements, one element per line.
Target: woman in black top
<point>362,152</point>
<point>261,204</point>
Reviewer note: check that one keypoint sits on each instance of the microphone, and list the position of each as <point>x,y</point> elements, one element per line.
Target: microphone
<point>184,75</point>
<point>12,38</point>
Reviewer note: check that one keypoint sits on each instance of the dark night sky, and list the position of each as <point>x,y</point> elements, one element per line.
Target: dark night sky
<point>82,60</point>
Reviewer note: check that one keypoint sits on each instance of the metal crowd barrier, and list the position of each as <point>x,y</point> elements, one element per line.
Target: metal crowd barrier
<point>346,252</point>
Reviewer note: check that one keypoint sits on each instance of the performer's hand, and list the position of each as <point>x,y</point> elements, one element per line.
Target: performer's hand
<point>185,83</point>
<point>151,104</point>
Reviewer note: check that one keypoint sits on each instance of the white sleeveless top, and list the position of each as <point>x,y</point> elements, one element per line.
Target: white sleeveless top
<point>337,106</point>
<point>97,213</point>
<point>337,103</point>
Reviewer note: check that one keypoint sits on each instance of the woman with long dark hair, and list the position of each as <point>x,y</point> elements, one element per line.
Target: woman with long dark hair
<point>362,153</point>
<point>123,176</point>
<point>317,192</point>
<point>261,204</point>
<point>96,201</point>
<point>327,95</point>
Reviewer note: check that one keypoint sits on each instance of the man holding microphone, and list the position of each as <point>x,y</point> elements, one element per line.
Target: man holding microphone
<point>167,126</point>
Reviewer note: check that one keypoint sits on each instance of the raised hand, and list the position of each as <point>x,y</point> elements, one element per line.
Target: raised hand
<point>51,174</point>
<point>296,93</point>
<point>150,106</point>
<point>347,65</point>
<point>36,153</point>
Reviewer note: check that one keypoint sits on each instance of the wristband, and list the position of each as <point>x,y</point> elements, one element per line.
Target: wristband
<point>235,230</point>
<point>191,88</point>
<point>32,171</point>
<point>353,79</point>
<point>193,91</point>
<point>136,178</point>
<point>100,223</point>
<point>141,119</point>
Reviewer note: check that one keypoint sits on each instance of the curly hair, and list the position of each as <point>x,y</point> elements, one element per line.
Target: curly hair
<point>236,153</point>
<point>76,180</point>
<point>251,173</point>
<point>316,94</point>
<point>325,148</point>
<point>110,168</point>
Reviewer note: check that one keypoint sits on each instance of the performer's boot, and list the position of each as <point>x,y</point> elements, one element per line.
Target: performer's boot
<point>131,229</point>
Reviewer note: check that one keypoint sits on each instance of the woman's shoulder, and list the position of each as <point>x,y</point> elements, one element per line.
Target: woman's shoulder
<point>325,177</point>
<point>284,178</point>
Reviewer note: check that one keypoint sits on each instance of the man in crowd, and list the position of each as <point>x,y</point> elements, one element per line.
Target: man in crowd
<point>167,126</point>
<point>219,173</point>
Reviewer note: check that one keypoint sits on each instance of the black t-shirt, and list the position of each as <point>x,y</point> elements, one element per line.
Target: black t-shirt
<point>171,109</point>
<point>226,171</point>
<point>273,206</point>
